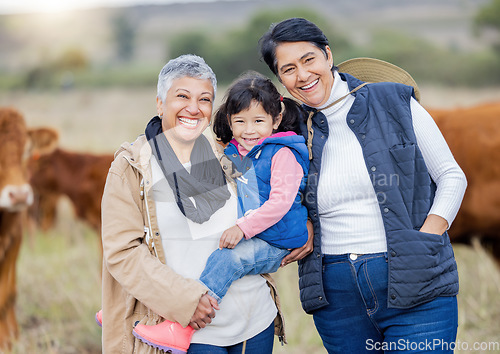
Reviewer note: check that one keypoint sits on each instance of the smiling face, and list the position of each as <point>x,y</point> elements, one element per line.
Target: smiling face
<point>305,71</point>
<point>187,110</point>
<point>253,124</point>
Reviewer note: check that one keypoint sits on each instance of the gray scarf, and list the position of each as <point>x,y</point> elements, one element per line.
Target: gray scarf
<point>205,184</point>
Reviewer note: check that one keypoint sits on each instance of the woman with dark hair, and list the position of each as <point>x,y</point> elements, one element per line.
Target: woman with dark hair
<point>383,188</point>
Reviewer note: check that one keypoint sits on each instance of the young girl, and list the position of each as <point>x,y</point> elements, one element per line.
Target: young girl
<point>269,164</point>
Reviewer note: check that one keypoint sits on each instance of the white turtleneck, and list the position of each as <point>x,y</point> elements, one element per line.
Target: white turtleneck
<point>349,212</point>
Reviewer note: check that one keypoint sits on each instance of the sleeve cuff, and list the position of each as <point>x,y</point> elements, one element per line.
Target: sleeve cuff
<point>245,227</point>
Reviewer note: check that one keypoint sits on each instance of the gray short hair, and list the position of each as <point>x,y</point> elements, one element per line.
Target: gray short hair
<point>187,65</point>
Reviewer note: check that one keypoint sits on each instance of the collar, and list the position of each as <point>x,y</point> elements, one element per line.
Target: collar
<point>340,88</point>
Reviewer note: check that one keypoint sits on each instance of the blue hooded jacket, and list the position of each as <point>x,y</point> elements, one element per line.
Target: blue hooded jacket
<point>254,187</point>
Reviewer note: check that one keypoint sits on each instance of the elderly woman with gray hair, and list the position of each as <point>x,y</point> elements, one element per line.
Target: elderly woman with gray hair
<point>165,205</point>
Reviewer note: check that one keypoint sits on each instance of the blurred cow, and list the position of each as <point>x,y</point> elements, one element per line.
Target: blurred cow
<point>79,176</point>
<point>17,142</point>
<point>473,135</point>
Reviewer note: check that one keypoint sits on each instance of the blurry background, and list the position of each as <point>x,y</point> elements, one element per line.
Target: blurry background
<point>89,69</point>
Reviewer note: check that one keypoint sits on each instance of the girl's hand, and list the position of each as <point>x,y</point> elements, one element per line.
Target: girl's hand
<point>231,237</point>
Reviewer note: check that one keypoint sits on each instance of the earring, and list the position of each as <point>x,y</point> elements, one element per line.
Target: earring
<point>160,116</point>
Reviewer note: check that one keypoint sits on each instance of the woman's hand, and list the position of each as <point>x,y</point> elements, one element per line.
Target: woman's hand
<point>204,312</point>
<point>299,253</point>
<point>434,224</point>
<point>231,237</point>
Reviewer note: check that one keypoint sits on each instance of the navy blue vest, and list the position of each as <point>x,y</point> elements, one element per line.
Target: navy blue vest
<point>254,188</point>
<point>421,266</point>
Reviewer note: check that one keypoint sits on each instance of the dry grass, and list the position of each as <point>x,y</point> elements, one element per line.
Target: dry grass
<point>58,272</point>
<point>59,292</point>
<point>100,120</point>
<point>479,297</point>
<point>59,288</point>
<point>93,121</point>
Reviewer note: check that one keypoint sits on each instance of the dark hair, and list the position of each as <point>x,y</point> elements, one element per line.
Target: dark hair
<point>290,30</point>
<point>250,87</point>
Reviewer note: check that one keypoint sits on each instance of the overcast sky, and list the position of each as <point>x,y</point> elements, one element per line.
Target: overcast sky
<point>22,6</point>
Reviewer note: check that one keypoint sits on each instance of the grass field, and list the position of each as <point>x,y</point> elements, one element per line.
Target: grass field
<point>59,292</point>
<point>100,120</point>
<point>59,287</point>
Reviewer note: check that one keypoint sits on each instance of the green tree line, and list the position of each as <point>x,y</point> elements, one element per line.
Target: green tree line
<point>236,50</point>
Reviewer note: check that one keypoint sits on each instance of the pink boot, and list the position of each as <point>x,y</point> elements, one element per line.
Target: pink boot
<point>168,336</point>
<point>98,318</point>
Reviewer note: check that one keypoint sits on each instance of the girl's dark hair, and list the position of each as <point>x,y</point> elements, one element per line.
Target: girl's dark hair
<point>290,30</point>
<point>250,87</point>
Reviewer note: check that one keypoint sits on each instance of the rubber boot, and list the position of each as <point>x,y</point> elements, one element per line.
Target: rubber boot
<point>98,318</point>
<point>168,336</point>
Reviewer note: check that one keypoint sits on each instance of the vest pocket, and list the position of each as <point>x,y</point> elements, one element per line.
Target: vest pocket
<point>404,158</point>
<point>417,254</point>
<point>421,267</point>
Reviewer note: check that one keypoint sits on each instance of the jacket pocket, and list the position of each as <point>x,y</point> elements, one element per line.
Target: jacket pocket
<point>413,250</point>
<point>421,266</point>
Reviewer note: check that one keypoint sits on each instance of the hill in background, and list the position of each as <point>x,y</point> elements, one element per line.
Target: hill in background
<point>28,39</point>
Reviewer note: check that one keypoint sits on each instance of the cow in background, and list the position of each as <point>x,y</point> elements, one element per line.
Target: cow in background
<point>17,142</point>
<point>473,135</point>
<point>79,176</point>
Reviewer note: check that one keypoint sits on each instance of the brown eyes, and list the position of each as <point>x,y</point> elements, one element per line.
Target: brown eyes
<point>292,69</point>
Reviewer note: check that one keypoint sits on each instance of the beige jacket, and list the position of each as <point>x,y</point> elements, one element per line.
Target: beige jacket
<point>137,286</point>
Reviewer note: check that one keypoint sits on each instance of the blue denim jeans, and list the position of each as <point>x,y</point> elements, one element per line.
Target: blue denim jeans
<point>226,265</point>
<point>357,319</point>
<point>262,343</point>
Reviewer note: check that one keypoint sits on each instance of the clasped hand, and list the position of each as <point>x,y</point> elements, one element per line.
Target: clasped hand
<point>204,312</point>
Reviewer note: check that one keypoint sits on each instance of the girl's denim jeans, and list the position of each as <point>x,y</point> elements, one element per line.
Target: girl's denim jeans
<point>226,265</point>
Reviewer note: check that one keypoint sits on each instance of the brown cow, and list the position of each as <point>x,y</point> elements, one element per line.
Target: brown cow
<point>17,142</point>
<point>79,176</point>
<point>473,135</point>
